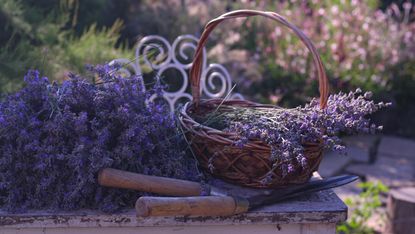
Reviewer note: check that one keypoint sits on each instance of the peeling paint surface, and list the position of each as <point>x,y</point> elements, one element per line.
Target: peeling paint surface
<point>322,207</point>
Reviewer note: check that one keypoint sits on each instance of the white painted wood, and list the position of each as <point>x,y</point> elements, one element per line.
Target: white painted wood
<point>314,213</point>
<point>218,229</point>
<point>319,207</point>
<point>318,229</point>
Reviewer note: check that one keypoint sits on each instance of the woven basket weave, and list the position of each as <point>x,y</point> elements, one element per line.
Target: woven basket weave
<point>216,150</point>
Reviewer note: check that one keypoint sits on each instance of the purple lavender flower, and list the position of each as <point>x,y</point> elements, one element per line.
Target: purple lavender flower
<point>285,131</point>
<point>55,138</point>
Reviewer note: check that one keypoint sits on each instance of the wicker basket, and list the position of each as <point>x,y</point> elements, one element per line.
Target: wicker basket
<point>250,165</point>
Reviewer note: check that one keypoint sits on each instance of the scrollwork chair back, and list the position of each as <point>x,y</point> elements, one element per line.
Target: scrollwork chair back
<point>215,82</point>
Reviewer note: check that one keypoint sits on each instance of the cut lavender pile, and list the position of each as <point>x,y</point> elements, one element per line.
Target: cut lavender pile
<point>55,138</point>
<point>285,130</point>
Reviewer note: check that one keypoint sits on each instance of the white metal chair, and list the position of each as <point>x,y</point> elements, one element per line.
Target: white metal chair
<point>215,83</point>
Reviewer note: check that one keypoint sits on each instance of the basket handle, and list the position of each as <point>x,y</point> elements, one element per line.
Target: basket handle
<point>196,70</point>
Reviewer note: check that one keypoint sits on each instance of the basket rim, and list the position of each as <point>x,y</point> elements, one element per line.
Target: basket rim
<point>221,136</point>
<point>205,136</point>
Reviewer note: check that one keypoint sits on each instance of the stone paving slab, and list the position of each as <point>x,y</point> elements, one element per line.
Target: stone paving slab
<point>357,154</point>
<point>394,172</point>
<point>378,220</point>
<point>333,163</point>
<point>360,148</point>
<point>365,142</point>
<point>397,147</point>
<point>348,190</point>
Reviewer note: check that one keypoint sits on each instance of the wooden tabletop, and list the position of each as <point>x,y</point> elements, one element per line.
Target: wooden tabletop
<point>318,207</point>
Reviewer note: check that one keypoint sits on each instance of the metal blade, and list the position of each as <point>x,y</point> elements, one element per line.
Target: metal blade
<point>312,186</point>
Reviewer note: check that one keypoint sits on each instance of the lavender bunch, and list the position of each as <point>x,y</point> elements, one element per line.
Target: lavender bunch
<point>55,138</point>
<point>286,130</point>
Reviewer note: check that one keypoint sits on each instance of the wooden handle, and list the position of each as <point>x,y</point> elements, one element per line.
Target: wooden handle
<point>196,70</point>
<point>153,184</point>
<point>190,206</point>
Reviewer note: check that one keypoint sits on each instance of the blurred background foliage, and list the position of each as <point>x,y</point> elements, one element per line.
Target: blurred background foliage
<point>45,35</point>
<point>363,43</point>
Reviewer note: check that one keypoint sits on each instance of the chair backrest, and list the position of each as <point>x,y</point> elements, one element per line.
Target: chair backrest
<point>155,53</point>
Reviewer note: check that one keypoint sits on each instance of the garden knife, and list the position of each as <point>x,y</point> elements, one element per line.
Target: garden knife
<point>174,187</point>
<point>229,205</point>
<point>110,177</point>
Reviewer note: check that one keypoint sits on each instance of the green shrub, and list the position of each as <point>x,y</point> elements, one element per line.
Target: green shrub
<point>363,207</point>
<point>41,35</point>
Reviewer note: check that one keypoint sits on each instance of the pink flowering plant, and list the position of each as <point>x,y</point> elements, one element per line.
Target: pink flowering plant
<point>357,41</point>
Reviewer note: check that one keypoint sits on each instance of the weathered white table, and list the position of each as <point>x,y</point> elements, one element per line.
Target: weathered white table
<point>315,213</point>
